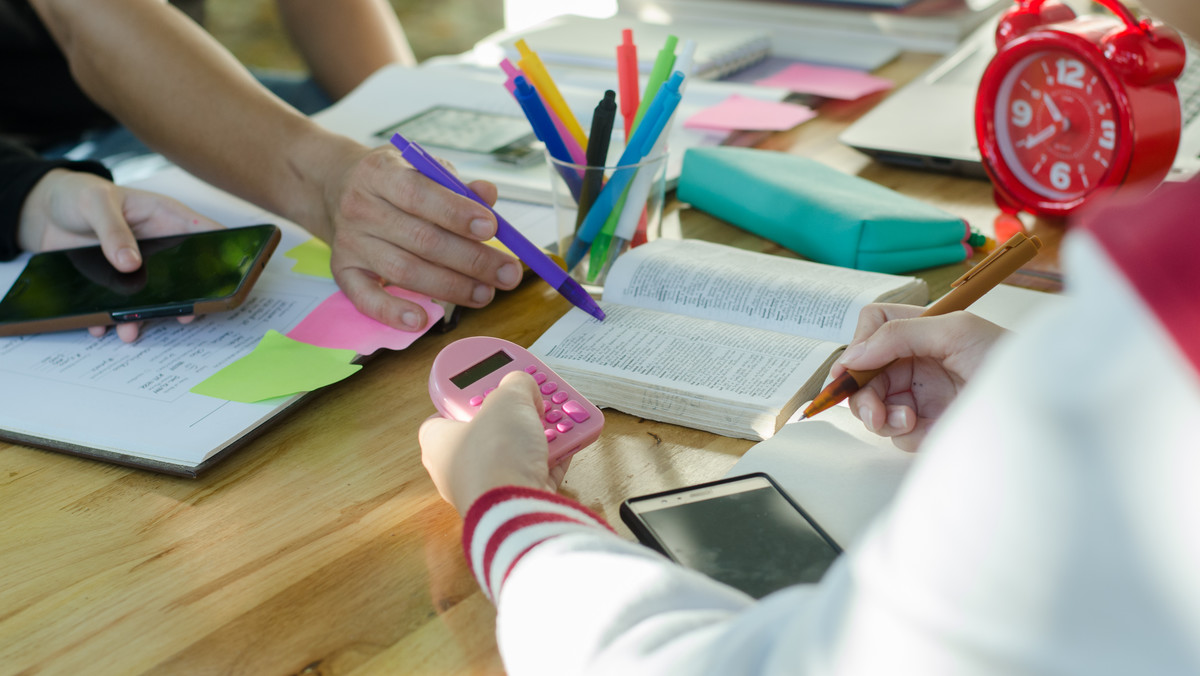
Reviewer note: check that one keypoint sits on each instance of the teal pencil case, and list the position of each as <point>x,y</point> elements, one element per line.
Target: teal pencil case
<point>819,212</point>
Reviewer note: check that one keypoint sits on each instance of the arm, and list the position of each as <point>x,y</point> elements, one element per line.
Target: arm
<point>344,42</point>
<point>57,204</point>
<point>20,171</point>
<point>181,92</point>
<point>1047,529</point>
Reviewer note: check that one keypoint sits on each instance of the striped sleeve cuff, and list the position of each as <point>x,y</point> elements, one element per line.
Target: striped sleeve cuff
<point>507,522</point>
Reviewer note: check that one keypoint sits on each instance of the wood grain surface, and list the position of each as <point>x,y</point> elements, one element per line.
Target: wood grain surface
<point>322,547</point>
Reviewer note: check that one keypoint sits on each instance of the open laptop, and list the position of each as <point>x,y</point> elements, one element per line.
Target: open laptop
<point>930,123</point>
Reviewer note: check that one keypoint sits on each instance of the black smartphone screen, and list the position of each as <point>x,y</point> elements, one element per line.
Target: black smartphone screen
<point>177,271</point>
<point>743,532</point>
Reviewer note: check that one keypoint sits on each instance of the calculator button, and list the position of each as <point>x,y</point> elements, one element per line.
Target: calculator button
<point>554,416</point>
<point>551,435</point>
<point>475,400</point>
<point>539,378</point>
<point>488,391</point>
<point>576,411</point>
<point>564,426</point>
<point>549,387</point>
<point>545,406</point>
<point>531,369</point>
<point>559,397</point>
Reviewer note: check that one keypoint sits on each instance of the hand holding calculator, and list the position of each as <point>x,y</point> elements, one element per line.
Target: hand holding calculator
<point>467,370</point>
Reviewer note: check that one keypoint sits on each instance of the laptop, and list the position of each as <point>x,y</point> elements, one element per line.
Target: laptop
<point>930,123</point>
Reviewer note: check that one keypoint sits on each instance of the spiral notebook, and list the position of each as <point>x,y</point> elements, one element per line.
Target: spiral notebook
<point>572,40</point>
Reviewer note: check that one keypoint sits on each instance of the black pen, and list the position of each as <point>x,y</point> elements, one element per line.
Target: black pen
<point>597,153</point>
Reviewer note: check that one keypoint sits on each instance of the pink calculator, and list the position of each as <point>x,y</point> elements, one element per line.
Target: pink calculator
<point>467,370</point>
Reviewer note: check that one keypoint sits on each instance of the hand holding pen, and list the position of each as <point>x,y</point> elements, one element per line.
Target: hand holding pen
<point>522,248</point>
<point>930,339</point>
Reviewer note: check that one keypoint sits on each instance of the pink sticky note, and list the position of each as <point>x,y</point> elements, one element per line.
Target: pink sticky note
<point>336,323</point>
<point>739,112</point>
<point>834,83</point>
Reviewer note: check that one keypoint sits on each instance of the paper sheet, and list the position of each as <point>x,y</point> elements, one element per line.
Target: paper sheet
<point>836,470</point>
<point>741,113</point>
<point>827,81</point>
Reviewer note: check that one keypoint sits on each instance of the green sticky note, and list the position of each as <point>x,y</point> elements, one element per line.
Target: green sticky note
<point>278,366</point>
<point>312,258</point>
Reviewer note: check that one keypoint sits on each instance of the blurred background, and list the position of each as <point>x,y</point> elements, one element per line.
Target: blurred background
<point>251,28</point>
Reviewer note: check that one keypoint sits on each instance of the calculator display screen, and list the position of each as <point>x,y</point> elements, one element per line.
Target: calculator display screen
<point>478,371</point>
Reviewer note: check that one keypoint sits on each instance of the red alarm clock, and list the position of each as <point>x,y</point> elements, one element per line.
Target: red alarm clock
<point>1071,105</point>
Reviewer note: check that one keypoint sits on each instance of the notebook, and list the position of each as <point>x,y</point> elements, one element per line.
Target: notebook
<point>572,40</point>
<point>922,25</point>
<point>930,123</point>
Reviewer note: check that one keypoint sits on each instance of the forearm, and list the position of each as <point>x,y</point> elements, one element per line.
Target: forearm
<point>571,593</point>
<point>185,96</point>
<point>344,42</point>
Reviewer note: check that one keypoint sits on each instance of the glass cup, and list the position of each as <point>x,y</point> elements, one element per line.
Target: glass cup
<point>613,203</point>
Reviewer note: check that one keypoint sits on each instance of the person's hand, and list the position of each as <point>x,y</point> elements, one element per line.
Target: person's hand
<point>69,209</point>
<point>504,445</point>
<point>392,225</point>
<point>934,358</point>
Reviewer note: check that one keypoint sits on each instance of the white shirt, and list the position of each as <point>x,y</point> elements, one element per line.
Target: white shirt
<point>1051,525</point>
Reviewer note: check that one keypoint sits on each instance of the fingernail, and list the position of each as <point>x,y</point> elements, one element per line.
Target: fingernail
<point>482,228</point>
<point>509,274</point>
<point>853,352</point>
<point>129,258</point>
<point>864,414</point>
<point>898,419</point>
<point>482,293</point>
<point>411,320</point>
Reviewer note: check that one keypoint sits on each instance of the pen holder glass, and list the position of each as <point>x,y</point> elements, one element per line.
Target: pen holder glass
<point>599,211</point>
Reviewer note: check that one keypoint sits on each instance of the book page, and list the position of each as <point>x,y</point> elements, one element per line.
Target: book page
<point>702,358</point>
<point>702,279</point>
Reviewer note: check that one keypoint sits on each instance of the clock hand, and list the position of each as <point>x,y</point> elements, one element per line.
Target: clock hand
<point>1031,141</point>
<point>1055,113</point>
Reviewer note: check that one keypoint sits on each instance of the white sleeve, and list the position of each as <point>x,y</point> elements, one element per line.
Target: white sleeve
<point>1047,527</point>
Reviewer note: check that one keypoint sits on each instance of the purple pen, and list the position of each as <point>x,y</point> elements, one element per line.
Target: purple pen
<point>512,238</point>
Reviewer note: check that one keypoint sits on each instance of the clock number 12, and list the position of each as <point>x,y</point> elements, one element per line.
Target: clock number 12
<point>1070,72</point>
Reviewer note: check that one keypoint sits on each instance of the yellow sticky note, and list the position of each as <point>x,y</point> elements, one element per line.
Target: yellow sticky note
<point>278,366</point>
<point>312,258</point>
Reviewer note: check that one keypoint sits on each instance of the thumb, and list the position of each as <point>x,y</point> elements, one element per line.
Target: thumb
<point>929,337</point>
<point>116,239</point>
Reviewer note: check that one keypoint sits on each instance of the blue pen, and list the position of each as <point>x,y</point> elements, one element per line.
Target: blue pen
<point>640,145</point>
<point>543,128</point>
<point>512,238</point>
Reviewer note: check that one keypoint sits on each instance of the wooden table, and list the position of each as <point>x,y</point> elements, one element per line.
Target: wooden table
<point>322,547</point>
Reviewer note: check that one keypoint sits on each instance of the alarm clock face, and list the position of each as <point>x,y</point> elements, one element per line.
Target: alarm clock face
<point>1056,125</point>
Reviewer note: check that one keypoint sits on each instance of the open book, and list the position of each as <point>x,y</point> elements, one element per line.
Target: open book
<point>714,337</point>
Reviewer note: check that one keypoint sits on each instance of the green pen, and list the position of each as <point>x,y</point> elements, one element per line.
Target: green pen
<point>658,75</point>
<point>598,254</point>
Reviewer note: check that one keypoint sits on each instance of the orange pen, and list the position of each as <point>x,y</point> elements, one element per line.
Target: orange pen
<point>1001,263</point>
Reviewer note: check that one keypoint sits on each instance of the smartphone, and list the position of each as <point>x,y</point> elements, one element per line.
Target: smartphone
<point>468,369</point>
<point>506,138</point>
<point>195,273</point>
<point>743,531</point>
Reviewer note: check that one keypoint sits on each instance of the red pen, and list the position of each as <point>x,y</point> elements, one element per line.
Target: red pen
<point>627,79</point>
